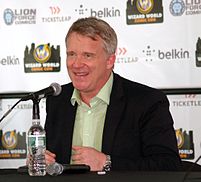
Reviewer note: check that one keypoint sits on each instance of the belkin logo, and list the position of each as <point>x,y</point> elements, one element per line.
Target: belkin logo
<point>106,12</point>
<point>9,61</point>
<point>168,55</point>
<point>173,54</point>
<point>99,13</point>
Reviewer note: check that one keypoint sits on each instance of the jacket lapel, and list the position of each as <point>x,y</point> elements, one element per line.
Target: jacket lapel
<point>113,114</point>
<point>68,123</point>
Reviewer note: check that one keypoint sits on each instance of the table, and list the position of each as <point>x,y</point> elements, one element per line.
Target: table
<point>11,175</point>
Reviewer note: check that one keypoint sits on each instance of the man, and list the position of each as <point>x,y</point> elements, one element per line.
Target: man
<point>102,119</point>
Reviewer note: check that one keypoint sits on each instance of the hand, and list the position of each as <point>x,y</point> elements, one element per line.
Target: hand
<point>49,157</point>
<point>88,156</point>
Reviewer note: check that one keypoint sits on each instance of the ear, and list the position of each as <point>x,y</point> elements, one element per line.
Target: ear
<point>110,61</point>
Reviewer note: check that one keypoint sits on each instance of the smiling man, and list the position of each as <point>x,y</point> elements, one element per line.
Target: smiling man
<point>89,66</point>
<point>102,119</point>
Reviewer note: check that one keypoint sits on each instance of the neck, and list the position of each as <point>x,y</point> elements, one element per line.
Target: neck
<point>87,96</point>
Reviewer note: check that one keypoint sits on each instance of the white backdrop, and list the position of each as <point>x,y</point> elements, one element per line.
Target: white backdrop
<point>163,54</point>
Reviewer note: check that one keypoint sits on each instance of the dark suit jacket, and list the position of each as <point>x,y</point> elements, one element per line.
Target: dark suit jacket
<point>138,131</point>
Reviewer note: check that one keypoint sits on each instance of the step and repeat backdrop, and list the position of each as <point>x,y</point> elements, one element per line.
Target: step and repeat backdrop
<point>159,44</point>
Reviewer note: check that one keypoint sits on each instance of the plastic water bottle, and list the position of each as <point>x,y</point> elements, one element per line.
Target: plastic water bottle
<point>36,145</point>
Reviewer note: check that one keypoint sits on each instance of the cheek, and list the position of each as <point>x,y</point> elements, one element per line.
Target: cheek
<point>69,64</point>
<point>101,68</point>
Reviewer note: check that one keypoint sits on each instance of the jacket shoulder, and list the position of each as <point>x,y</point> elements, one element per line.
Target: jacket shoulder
<point>65,94</point>
<point>132,89</point>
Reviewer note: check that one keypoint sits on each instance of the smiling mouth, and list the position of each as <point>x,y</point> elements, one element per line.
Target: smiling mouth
<point>80,74</point>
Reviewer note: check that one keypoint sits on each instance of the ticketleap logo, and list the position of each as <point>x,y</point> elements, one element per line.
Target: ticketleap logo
<point>55,16</point>
<point>101,13</point>
<point>123,58</point>
<point>173,54</point>
<point>187,7</point>
<point>121,51</point>
<point>55,9</point>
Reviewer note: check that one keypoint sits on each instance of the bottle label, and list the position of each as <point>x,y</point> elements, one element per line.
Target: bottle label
<point>36,141</point>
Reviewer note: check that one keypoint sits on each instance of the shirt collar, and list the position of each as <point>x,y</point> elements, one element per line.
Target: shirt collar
<point>103,94</point>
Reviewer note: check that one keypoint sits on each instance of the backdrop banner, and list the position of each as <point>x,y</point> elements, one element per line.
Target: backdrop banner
<point>159,44</point>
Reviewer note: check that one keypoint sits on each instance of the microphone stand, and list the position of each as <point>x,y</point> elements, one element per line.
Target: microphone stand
<point>36,111</point>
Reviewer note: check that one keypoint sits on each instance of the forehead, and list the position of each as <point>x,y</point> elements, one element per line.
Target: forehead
<point>79,36</point>
<point>78,41</point>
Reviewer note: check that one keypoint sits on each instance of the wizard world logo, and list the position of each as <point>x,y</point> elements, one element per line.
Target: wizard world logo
<point>144,11</point>
<point>12,145</point>
<point>42,58</point>
<point>185,144</point>
<point>198,53</point>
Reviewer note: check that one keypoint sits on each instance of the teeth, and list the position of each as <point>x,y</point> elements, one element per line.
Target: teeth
<point>80,74</point>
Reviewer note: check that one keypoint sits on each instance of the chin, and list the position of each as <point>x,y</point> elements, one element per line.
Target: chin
<point>79,87</point>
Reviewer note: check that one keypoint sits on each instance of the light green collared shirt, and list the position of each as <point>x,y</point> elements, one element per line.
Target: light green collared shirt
<point>89,121</point>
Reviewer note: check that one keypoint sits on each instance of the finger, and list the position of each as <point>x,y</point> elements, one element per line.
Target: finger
<point>50,153</point>
<point>76,150</point>
<point>76,156</point>
<point>49,160</point>
<point>49,157</point>
<point>75,147</point>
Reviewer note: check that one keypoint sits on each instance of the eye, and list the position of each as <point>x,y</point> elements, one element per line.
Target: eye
<point>88,55</point>
<point>71,54</point>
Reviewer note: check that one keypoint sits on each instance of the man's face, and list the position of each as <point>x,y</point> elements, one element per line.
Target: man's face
<point>88,65</point>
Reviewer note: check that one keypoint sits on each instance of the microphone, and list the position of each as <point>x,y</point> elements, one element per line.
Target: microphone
<point>56,169</point>
<point>54,89</point>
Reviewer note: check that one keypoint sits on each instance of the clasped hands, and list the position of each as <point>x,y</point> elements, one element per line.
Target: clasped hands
<point>82,155</point>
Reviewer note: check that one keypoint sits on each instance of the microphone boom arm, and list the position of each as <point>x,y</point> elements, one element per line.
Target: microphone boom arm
<point>54,89</point>
<point>6,114</point>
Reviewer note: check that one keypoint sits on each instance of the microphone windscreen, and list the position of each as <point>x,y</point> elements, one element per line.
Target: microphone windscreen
<point>57,88</point>
<point>54,169</point>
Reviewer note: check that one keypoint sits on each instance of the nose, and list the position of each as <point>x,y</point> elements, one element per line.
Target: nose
<point>78,62</point>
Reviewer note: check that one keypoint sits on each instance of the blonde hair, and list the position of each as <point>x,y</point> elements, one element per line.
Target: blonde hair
<point>93,27</point>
